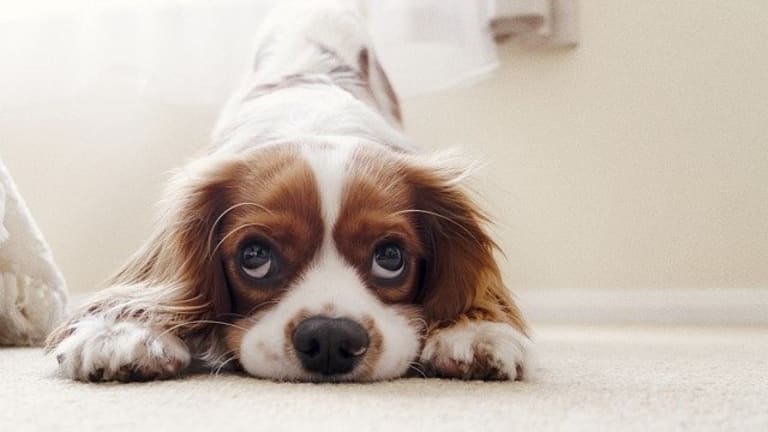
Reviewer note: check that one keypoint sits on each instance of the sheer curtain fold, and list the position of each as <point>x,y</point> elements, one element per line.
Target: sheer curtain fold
<point>537,22</point>
<point>193,51</point>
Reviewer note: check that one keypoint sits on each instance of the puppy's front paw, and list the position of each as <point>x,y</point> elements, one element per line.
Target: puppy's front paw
<point>102,350</point>
<point>476,350</point>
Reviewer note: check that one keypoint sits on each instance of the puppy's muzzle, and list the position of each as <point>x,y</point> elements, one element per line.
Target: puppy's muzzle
<point>330,346</point>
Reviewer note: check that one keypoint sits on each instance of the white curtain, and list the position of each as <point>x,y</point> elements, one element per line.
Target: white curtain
<point>193,51</point>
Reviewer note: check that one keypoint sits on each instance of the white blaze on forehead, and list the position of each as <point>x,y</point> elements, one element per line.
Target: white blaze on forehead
<point>329,164</point>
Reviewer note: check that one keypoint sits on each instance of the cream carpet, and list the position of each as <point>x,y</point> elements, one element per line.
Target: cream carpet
<point>588,378</point>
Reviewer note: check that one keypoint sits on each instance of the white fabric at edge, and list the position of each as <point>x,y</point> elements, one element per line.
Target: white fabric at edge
<point>32,291</point>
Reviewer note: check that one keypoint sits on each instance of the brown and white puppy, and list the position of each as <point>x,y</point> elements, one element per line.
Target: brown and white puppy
<point>311,242</point>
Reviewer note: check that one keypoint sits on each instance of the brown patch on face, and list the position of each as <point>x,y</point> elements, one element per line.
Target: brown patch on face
<point>375,346</point>
<point>451,271</point>
<point>375,210</point>
<point>211,205</point>
<point>461,277</point>
<point>274,203</point>
<point>288,331</point>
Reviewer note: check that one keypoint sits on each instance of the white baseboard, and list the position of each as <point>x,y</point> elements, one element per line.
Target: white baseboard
<point>651,306</point>
<point>634,306</point>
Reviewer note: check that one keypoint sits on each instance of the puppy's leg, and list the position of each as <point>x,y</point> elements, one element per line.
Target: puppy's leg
<point>486,341</point>
<point>101,347</point>
<point>172,291</point>
<point>472,348</point>
<point>475,329</point>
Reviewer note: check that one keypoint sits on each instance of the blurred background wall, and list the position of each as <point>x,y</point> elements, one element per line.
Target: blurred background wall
<point>638,160</point>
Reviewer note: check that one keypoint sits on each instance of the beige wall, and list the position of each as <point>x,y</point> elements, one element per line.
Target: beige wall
<point>638,160</point>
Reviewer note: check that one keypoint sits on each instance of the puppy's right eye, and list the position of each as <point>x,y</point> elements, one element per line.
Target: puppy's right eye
<point>257,260</point>
<point>388,261</point>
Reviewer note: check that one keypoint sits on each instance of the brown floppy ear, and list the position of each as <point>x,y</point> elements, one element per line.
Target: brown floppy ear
<point>173,281</point>
<point>461,278</point>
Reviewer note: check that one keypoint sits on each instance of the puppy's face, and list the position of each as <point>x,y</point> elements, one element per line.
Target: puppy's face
<point>336,258</point>
<point>321,252</point>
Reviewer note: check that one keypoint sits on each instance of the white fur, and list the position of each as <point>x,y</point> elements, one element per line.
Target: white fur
<point>460,344</point>
<point>329,166</point>
<point>101,349</point>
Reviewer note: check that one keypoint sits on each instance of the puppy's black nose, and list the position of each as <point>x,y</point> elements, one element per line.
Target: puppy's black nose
<point>329,346</point>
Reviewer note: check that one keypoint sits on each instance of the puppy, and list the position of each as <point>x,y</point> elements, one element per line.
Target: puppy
<point>311,241</point>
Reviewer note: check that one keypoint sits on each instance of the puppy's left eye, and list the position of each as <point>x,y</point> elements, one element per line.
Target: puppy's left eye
<point>388,261</point>
<point>256,260</point>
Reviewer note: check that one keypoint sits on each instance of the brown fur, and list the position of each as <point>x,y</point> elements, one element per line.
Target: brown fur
<point>375,345</point>
<point>369,216</point>
<point>440,226</point>
<point>180,280</point>
<point>379,78</point>
<point>461,277</point>
<point>287,216</point>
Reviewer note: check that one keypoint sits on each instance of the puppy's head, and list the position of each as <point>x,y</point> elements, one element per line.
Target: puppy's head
<point>337,258</point>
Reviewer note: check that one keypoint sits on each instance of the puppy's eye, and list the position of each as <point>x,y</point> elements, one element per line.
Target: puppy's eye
<point>256,260</point>
<point>388,261</point>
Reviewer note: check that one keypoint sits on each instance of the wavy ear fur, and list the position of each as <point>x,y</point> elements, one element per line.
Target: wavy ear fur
<point>461,278</point>
<point>173,281</point>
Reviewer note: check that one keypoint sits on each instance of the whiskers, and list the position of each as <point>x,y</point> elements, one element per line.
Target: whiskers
<point>228,357</point>
<point>421,323</point>
<point>223,239</point>
<point>224,213</point>
<point>250,315</point>
<point>452,220</point>
<point>417,368</point>
<point>196,322</point>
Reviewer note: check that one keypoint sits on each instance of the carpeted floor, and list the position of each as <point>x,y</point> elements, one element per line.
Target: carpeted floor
<point>588,378</point>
